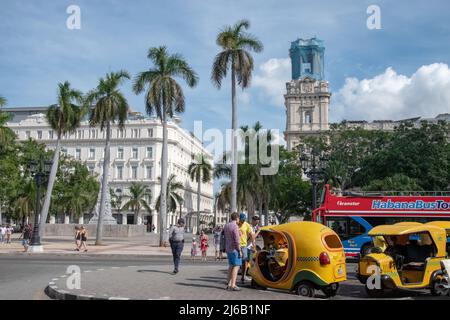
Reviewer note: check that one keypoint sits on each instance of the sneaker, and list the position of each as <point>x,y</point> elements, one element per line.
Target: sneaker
<point>235,289</point>
<point>175,271</point>
<point>247,278</point>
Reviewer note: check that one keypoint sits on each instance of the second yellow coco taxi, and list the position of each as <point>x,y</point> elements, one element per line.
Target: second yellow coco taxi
<point>300,257</point>
<point>411,259</point>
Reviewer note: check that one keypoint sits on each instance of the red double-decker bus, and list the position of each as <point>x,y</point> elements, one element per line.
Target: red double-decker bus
<point>352,214</point>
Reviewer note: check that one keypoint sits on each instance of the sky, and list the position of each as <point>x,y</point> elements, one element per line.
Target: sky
<point>396,72</point>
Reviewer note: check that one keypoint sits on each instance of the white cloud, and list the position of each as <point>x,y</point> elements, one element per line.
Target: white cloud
<point>394,96</point>
<point>272,79</point>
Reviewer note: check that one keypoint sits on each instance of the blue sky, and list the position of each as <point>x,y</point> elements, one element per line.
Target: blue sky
<point>374,74</point>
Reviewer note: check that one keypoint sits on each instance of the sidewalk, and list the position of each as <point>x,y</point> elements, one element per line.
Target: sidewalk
<point>146,245</point>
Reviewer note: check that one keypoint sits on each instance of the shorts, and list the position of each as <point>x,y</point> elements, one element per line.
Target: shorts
<point>25,242</point>
<point>234,258</point>
<point>217,246</point>
<point>244,253</point>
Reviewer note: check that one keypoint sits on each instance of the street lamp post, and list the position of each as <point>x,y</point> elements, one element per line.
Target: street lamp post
<point>313,164</point>
<point>39,170</point>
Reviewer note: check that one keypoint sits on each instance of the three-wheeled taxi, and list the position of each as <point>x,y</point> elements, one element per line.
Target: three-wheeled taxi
<point>412,259</point>
<point>300,257</point>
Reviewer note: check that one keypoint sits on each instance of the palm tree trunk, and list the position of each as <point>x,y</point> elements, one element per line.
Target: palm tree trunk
<point>234,165</point>
<point>163,200</point>
<point>51,182</point>
<point>199,186</point>
<point>98,240</point>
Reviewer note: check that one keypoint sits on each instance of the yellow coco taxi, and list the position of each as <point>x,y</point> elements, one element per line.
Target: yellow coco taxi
<point>411,259</point>
<point>300,257</point>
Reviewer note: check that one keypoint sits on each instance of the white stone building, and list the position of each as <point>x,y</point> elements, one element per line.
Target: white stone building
<point>135,157</point>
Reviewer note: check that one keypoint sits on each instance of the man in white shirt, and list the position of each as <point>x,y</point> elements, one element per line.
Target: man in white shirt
<point>2,233</point>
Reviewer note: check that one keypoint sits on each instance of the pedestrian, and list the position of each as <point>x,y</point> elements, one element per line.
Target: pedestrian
<point>2,233</point>
<point>204,245</point>
<point>245,232</point>
<point>231,232</point>
<point>176,240</point>
<point>26,236</point>
<point>153,228</point>
<point>194,249</point>
<point>83,234</point>
<point>255,228</point>
<point>217,233</point>
<point>77,238</point>
<point>9,232</point>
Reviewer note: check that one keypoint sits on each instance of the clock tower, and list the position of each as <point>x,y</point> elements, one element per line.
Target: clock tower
<point>307,97</point>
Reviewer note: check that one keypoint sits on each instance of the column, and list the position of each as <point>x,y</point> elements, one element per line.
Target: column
<point>52,219</point>
<point>139,219</point>
<point>124,219</point>
<point>66,219</point>
<point>81,220</point>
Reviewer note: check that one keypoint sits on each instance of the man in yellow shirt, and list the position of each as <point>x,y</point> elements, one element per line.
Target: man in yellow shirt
<point>245,232</point>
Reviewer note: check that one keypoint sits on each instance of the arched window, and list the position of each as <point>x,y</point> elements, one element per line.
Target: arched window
<point>308,117</point>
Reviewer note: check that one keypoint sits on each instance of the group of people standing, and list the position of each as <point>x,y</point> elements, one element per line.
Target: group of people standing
<point>80,238</point>
<point>6,233</point>
<point>237,239</point>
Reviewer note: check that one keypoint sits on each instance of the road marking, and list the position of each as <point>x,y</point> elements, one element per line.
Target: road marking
<point>51,283</point>
<point>118,298</point>
<point>101,269</point>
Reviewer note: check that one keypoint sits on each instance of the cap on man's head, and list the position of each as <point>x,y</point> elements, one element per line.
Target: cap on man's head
<point>242,216</point>
<point>181,221</point>
<point>255,217</point>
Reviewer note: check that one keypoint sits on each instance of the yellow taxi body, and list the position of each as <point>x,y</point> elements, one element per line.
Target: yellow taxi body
<point>292,255</point>
<point>410,261</point>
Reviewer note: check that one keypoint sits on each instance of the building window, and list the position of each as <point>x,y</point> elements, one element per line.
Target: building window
<point>91,154</point>
<point>28,134</point>
<point>39,134</point>
<point>121,133</point>
<point>134,170</point>
<point>119,173</point>
<point>64,151</point>
<point>78,154</point>
<point>120,153</point>
<point>150,133</point>
<point>50,134</point>
<point>148,172</point>
<point>135,153</point>
<point>149,152</point>
<point>135,133</point>
<point>308,117</point>
<point>91,170</point>
<point>80,134</point>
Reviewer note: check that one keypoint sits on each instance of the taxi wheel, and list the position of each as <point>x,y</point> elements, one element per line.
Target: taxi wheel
<point>329,291</point>
<point>439,288</point>
<point>305,289</point>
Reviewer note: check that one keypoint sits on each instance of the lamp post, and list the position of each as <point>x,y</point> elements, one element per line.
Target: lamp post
<point>39,170</point>
<point>313,164</point>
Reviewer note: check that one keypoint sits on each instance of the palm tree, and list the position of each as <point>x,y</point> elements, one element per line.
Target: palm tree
<point>3,101</point>
<point>110,106</point>
<point>235,44</point>
<point>63,117</point>
<point>164,97</point>
<point>172,194</point>
<point>117,199</point>
<point>139,193</point>
<point>199,171</point>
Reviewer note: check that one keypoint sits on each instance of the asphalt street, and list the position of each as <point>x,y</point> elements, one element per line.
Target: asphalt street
<point>25,276</point>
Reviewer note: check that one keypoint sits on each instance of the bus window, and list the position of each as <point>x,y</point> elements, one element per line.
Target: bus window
<point>340,226</point>
<point>356,229</point>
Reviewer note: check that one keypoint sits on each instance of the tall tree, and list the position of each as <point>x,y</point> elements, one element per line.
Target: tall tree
<point>110,105</point>
<point>200,172</point>
<point>172,193</point>
<point>63,117</point>
<point>164,98</point>
<point>235,44</point>
<point>139,194</point>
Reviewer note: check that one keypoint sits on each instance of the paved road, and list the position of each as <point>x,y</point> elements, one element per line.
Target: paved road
<point>142,277</point>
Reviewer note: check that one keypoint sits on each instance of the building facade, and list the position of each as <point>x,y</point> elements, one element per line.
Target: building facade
<point>135,157</point>
<point>307,97</point>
